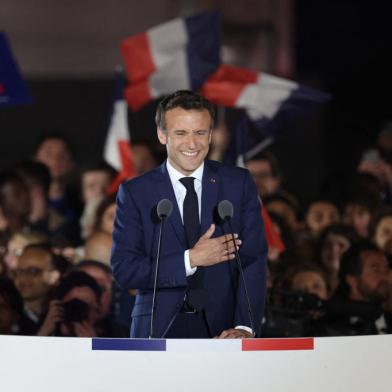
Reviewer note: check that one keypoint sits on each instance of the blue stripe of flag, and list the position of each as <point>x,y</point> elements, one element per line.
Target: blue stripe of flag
<point>13,90</point>
<point>203,47</point>
<point>129,344</point>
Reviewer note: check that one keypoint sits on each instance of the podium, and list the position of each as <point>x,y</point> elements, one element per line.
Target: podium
<point>109,365</point>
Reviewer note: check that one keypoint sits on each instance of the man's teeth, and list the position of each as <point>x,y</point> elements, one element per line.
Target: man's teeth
<point>189,154</point>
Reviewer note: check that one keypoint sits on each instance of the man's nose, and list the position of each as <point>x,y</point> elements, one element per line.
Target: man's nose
<point>191,143</point>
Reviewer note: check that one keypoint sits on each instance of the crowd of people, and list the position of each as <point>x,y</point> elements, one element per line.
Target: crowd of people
<point>333,276</point>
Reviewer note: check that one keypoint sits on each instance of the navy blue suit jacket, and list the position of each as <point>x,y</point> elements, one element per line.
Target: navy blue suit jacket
<point>135,242</point>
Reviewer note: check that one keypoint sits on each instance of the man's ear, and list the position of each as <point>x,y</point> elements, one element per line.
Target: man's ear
<point>162,136</point>
<point>53,277</point>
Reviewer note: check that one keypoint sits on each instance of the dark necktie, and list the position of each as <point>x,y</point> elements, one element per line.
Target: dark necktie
<point>195,293</point>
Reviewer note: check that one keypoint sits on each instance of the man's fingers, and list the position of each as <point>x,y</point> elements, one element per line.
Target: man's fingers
<point>230,246</point>
<point>227,257</point>
<point>224,334</point>
<point>232,334</point>
<point>227,238</point>
<point>208,234</point>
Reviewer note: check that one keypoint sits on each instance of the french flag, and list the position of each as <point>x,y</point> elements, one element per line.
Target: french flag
<point>179,54</point>
<point>269,101</point>
<point>117,149</point>
<point>13,90</point>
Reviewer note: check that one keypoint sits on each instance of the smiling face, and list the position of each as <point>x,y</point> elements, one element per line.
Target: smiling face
<point>187,138</point>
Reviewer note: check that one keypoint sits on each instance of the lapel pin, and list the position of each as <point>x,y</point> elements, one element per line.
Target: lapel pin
<point>212,180</point>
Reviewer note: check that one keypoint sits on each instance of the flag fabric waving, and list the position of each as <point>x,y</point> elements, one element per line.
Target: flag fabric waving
<point>117,149</point>
<point>179,54</point>
<point>13,90</point>
<point>270,102</point>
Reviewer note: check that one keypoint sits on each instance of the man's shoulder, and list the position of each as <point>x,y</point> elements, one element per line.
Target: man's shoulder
<point>226,171</point>
<point>145,179</point>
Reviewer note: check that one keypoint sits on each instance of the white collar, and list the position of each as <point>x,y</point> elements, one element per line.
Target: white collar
<point>175,175</point>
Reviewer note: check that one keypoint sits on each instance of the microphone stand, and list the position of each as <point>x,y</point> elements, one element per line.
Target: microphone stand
<point>237,257</point>
<point>162,217</point>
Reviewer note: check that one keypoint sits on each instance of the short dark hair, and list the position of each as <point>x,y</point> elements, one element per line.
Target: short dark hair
<point>100,165</point>
<point>34,173</point>
<point>269,157</point>
<point>93,263</point>
<point>352,264</point>
<point>341,229</point>
<point>44,136</point>
<point>184,99</point>
<point>15,200</point>
<point>77,279</point>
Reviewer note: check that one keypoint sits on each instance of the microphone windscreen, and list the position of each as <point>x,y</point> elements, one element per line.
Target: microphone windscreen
<point>164,208</point>
<point>225,210</point>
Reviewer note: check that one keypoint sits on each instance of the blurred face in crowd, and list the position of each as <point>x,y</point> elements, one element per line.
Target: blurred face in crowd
<point>55,155</point>
<point>17,243</point>
<point>3,221</point>
<point>187,138</point>
<point>95,184</point>
<point>107,219</point>
<point>35,275</point>
<point>383,233</point>
<point>320,215</point>
<point>99,247</point>
<point>267,184</point>
<point>333,248</point>
<point>310,282</point>
<point>8,316</point>
<point>105,282</point>
<point>143,160</point>
<point>14,250</point>
<point>87,295</point>
<point>285,211</point>
<point>372,283</point>
<point>358,217</point>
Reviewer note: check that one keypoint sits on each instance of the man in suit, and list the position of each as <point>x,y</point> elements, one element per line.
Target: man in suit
<point>200,290</point>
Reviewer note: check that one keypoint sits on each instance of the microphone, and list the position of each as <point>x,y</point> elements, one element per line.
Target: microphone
<point>226,212</point>
<point>164,210</point>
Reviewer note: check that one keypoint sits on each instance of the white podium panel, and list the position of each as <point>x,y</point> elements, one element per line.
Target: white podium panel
<point>108,365</point>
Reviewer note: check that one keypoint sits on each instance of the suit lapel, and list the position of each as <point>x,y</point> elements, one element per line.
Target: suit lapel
<point>166,191</point>
<point>209,196</point>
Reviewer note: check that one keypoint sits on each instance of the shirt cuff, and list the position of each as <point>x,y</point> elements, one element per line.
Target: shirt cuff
<point>189,271</point>
<point>247,329</point>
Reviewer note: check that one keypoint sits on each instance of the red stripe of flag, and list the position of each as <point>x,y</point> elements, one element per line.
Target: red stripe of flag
<point>225,86</point>
<point>127,171</point>
<point>136,53</point>
<point>277,344</point>
<point>138,94</point>
<point>273,237</point>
